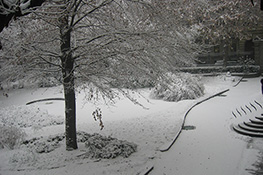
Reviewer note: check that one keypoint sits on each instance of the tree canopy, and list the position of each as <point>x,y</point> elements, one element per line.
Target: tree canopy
<point>97,44</point>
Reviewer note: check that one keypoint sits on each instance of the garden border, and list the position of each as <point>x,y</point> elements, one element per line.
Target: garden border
<point>45,99</point>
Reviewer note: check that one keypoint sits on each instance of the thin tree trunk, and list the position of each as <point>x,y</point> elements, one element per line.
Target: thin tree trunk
<point>67,62</point>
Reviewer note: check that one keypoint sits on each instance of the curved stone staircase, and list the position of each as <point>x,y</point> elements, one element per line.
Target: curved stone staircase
<point>253,127</point>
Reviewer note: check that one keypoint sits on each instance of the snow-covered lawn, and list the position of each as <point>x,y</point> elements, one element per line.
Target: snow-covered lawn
<point>148,127</point>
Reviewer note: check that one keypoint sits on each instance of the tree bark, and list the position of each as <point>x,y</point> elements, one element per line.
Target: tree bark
<point>67,62</point>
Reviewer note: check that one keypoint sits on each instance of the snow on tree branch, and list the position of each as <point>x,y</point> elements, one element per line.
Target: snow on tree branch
<point>10,9</point>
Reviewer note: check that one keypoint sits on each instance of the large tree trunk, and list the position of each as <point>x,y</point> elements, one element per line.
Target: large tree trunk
<point>67,62</point>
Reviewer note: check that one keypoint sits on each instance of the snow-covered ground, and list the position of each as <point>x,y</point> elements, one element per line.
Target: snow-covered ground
<point>213,147</point>
<point>150,128</point>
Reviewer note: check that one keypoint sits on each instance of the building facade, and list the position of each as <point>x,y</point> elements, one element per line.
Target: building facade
<point>236,52</point>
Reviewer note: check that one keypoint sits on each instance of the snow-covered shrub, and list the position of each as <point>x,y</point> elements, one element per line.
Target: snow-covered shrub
<point>44,145</point>
<point>82,136</point>
<point>23,157</point>
<point>28,116</point>
<point>10,136</point>
<point>98,146</point>
<point>246,62</point>
<point>182,86</point>
<point>108,148</point>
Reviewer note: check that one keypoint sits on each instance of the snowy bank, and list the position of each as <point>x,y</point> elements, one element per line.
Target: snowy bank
<point>149,128</point>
